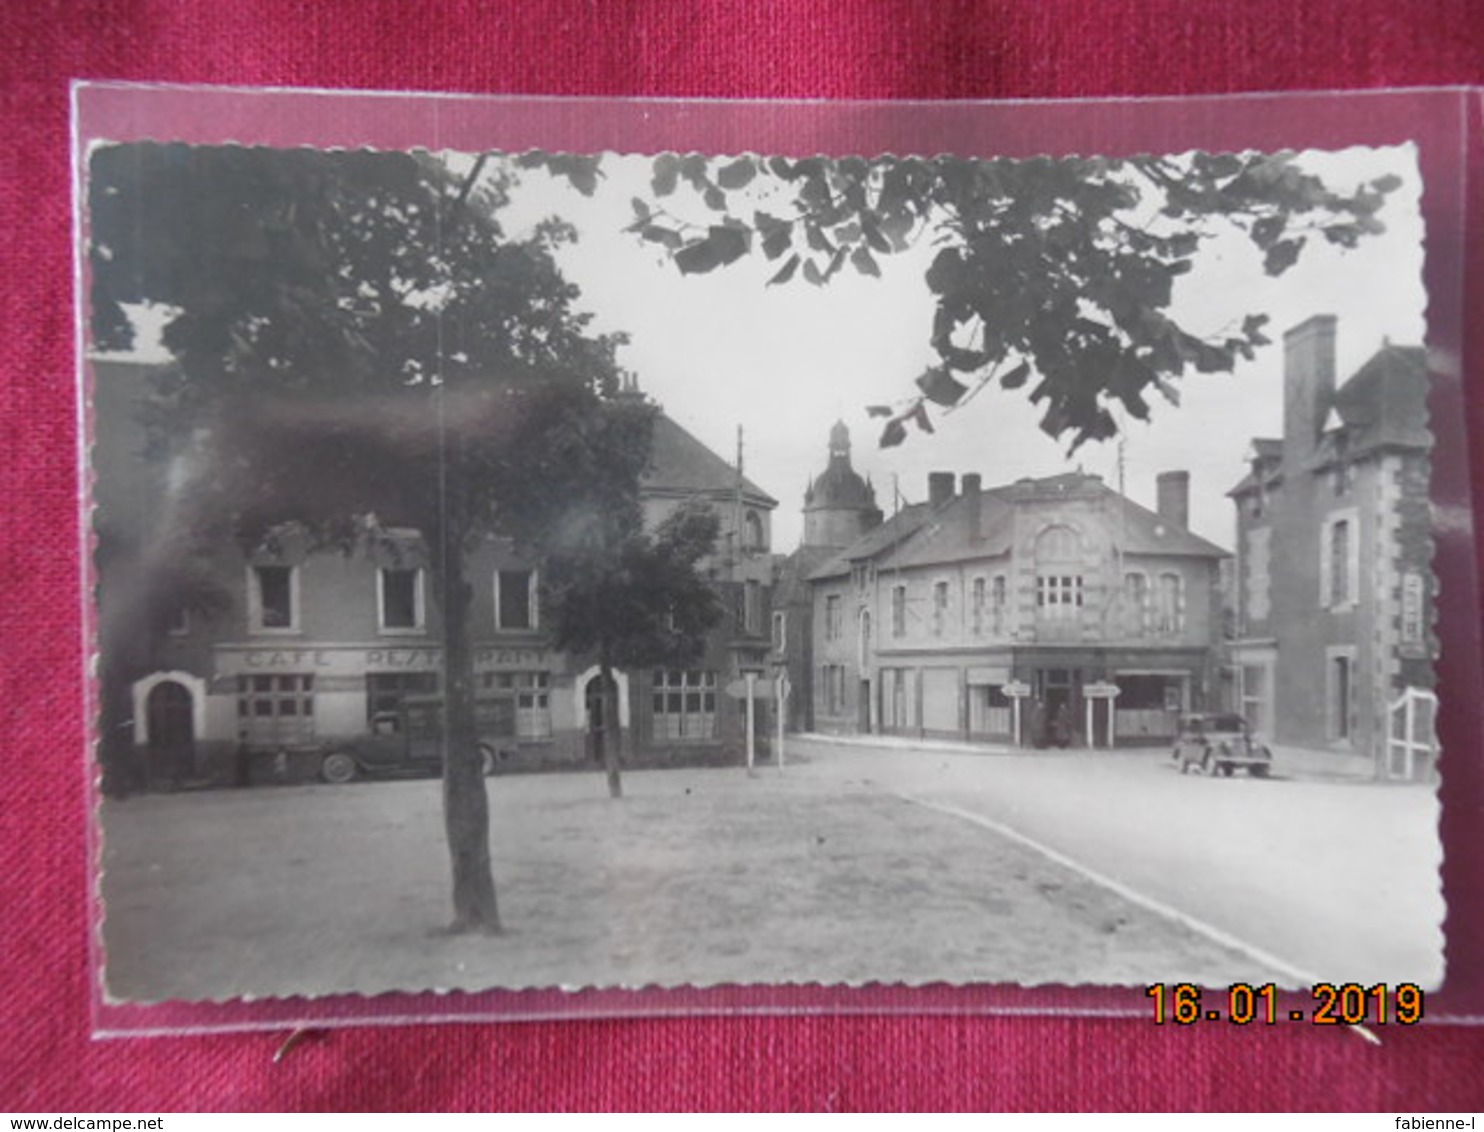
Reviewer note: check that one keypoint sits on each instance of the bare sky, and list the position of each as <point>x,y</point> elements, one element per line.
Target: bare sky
<point>721,350</point>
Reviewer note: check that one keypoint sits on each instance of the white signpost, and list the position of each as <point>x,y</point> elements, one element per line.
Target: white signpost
<point>1017,690</point>
<point>781,684</point>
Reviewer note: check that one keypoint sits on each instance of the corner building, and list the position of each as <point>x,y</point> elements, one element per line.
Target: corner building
<point>1099,616</point>
<point>299,650</point>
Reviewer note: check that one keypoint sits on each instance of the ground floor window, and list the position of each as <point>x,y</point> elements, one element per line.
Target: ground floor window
<point>1255,693</point>
<point>832,679</point>
<point>523,698</point>
<point>387,691</point>
<point>1341,695</point>
<point>1148,705</point>
<point>989,710</point>
<point>684,704</point>
<point>275,711</point>
<point>895,701</point>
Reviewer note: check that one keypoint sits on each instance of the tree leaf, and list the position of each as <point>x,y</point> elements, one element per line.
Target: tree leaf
<point>862,260</point>
<point>737,174</point>
<point>658,234</point>
<point>666,174</point>
<point>698,257</point>
<point>941,387</point>
<point>1016,377</point>
<point>893,434</point>
<point>1282,255</point>
<point>722,245</point>
<point>786,272</point>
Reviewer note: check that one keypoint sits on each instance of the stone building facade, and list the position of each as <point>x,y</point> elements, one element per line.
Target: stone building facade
<point>284,653</point>
<point>1334,588</point>
<point>1044,611</point>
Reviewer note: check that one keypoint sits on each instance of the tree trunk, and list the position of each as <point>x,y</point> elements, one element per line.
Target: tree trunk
<point>609,741</point>
<point>466,816</point>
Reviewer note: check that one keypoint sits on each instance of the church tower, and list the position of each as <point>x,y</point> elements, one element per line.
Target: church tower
<point>839,506</point>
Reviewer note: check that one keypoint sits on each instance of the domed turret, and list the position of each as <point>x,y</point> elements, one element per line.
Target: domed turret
<point>839,506</point>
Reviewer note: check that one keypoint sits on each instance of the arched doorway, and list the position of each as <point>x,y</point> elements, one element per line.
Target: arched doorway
<point>170,733</point>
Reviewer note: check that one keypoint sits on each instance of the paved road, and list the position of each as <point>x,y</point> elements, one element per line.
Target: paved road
<point>1338,880</point>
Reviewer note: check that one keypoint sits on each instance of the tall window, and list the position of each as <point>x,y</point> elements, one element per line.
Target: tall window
<point>1258,569</point>
<point>940,607</point>
<point>684,704</point>
<point>832,623</point>
<point>275,711</point>
<point>272,594</point>
<point>899,611</point>
<point>1255,695</point>
<point>752,607</point>
<point>1339,562</point>
<point>401,599</point>
<point>1169,604</point>
<point>752,532</point>
<point>1136,603</point>
<point>997,605</point>
<point>1341,691</point>
<point>894,703</point>
<point>515,600</point>
<point>1058,575</point>
<point>780,631</point>
<point>833,679</point>
<point>977,600</point>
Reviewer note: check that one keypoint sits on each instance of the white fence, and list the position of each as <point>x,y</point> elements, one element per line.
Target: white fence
<point>1411,735</point>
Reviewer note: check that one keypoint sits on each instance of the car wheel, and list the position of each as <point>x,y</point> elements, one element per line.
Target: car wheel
<point>1226,770</point>
<point>337,768</point>
<point>486,760</point>
<point>1258,770</point>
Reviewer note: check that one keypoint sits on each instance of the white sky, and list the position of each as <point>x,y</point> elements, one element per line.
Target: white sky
<point>719,350</point>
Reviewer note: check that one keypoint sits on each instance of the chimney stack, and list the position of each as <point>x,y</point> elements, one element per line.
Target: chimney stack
<point>1172,495</point>
<point>971,504</point>
<point>940,488</point>
<point>1308,385</point>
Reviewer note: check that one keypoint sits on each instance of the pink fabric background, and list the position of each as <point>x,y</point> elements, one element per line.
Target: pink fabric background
<point>853,49</point>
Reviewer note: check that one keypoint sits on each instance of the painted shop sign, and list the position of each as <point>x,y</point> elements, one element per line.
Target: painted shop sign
<point>342,661</point>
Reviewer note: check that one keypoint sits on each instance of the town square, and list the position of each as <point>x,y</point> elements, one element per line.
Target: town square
<point>754,570</point>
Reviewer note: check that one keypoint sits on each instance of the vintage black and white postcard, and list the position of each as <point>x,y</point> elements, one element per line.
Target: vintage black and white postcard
<point>648,565</point>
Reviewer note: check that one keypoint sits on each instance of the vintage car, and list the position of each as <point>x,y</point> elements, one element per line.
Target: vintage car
<point>1220,743</point>
<point>408,741</point>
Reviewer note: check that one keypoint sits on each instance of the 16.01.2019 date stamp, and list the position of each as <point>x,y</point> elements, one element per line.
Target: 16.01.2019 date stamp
<point>1331,1004</point>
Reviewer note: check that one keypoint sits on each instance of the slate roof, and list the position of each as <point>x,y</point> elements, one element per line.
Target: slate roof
<point>924,536</point>
<point>791,586</point>
<point>890,532</point>
<point>1385,404</point>
<point>680,463</point>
